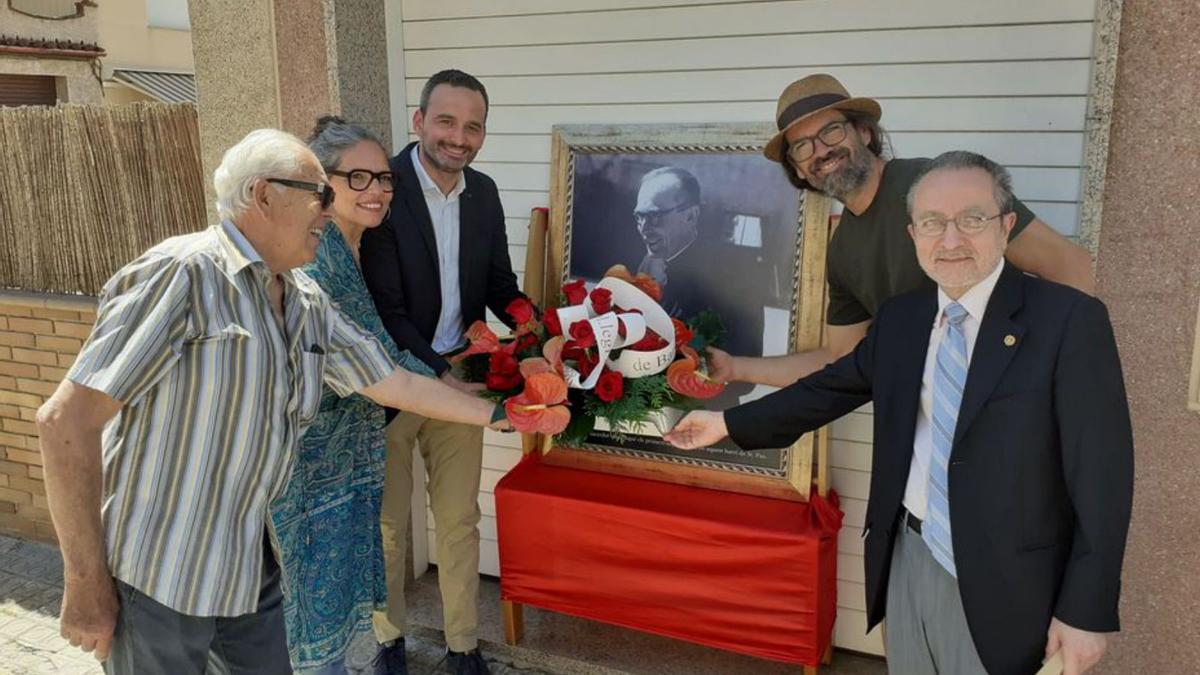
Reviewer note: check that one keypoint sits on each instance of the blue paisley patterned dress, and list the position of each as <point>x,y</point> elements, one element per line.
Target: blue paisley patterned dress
<point>327,520</point>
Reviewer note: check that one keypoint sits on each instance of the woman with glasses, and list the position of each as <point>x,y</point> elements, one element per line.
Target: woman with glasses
<point>328,518</point>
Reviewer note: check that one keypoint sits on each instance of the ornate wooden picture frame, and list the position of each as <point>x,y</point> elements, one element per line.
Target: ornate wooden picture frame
<point>767,232</point>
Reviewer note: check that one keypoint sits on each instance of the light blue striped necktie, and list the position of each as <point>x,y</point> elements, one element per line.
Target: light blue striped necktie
<point>949,377</point>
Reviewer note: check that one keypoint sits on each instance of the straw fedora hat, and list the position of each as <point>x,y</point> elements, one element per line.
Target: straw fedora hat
<point>807,97</point>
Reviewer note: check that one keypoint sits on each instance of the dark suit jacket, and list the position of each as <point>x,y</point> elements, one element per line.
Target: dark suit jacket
<point>732,281</point>
<point>400,261</point>
<point>1041,472</point>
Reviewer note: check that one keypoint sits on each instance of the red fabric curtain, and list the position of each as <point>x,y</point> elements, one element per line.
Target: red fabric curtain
<point>743,573</point>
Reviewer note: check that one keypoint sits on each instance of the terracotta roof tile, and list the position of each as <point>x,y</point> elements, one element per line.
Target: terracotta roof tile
<point>48,43</point>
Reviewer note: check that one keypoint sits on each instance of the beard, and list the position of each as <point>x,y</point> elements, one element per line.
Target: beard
<point>445,163</point>
<point>844,181</point>
<point>973,266</point>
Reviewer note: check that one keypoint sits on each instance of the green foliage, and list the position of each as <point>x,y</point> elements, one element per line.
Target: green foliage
<point>475,367</point>
<point>496,396</point>
<point>642,397</point>
<point>578,428</point>
<point>709,330</point>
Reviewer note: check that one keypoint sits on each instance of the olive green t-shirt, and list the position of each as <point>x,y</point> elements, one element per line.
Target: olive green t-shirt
<point>871,256</point>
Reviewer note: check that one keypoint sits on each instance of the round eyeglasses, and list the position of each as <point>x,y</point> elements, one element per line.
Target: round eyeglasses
<point>831,134</point>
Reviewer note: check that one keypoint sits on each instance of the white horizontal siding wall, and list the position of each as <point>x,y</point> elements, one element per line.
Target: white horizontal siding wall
<point>1009,80</point>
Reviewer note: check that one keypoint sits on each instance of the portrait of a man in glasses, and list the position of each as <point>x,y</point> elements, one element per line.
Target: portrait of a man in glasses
<point>699,273</point>
<point>716,230</point>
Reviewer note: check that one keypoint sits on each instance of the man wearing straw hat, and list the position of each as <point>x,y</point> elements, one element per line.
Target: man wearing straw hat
<point>832,142</point>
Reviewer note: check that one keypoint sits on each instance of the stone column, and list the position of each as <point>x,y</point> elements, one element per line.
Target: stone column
<point>277,63</point>
<point>1149,275</point>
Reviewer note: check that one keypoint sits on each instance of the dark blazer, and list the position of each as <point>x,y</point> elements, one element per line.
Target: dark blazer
<point>400,261</point>
<point>1041,472</point>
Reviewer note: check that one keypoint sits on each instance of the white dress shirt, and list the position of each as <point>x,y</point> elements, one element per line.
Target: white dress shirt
<point>444,212</point>
<point>975,300</point>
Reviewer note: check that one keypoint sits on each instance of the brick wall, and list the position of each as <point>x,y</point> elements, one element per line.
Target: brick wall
<point>39,338</point>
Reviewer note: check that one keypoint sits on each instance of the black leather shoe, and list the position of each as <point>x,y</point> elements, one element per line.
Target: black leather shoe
<point>391,658</point>
<point>467,663</point>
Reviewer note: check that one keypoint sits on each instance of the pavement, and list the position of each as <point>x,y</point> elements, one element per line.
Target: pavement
<point>554,644</point>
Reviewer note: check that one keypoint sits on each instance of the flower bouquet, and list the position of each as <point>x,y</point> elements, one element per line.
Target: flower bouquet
<point>608,357</point>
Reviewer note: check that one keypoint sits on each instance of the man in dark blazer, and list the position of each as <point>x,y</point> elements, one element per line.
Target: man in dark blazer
<point>1002,473</point>
<point>435,265</point>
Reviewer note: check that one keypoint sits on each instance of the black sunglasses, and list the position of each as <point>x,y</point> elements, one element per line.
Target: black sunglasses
<point>322,190</point>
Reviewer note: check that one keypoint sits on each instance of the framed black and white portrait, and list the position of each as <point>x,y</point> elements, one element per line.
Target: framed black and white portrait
<point>721,229</point>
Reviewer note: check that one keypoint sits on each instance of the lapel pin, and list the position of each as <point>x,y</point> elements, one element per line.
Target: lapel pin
<point>1009,340</point>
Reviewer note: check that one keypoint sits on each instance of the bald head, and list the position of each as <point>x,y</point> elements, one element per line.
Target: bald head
<point>668,211</point>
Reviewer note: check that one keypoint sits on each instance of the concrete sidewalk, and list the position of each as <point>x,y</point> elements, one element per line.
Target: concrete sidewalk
<point>31,581</point>
<point>555,644</point>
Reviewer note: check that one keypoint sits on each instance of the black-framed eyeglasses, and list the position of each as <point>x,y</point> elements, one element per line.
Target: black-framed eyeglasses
<point>322,190</point>
<point>361,179</point>
<point>831,134</point>
<point>967,223</point>
<point>643,217</point>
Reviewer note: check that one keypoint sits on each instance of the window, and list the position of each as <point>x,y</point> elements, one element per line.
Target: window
<point>168,14</point>
<point>27,90</point>
<point>747,231</point>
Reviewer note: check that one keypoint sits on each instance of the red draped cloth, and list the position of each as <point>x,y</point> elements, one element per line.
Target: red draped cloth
<point>737,572</point>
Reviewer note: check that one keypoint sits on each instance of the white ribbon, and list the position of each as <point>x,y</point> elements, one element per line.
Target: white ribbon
<point>630,364</point>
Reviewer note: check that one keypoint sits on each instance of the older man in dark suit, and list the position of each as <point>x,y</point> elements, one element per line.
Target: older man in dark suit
<point>1002,475</point>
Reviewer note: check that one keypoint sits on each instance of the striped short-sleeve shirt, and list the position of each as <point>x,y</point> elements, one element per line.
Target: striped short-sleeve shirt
<point>216,395</point>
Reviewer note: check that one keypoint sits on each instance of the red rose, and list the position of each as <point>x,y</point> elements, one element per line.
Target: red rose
<point>524,342</point>
<point>521,311</point>
<point>582,335</point>
<point>575,291</point>
<point>585,363</point>
<point>650,342</point>
<point>572,352</point>
<point>610,386</point>
<point>504,372</point>
<point>601,300</point>
<point>551,322</point>
<point>683,334</point>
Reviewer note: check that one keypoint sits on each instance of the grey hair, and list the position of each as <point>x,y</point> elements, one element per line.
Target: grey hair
<point>333,136</point>
<point>963,159</point>
<point>687,181</point>
<point>263,153</point>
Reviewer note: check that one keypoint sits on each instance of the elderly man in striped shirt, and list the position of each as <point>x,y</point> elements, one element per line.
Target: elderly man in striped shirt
<point>178,424</point>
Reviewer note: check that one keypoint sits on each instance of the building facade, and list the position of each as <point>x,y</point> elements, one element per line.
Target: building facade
<point>49,53</point>
<point>149,51</point>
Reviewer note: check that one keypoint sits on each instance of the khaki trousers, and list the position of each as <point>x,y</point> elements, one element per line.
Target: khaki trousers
<point>453,455</point>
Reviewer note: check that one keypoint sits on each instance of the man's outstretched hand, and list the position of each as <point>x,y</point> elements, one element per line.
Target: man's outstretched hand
<point>721,366</point>
<point>699,429</point>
